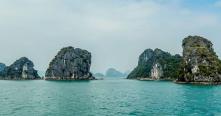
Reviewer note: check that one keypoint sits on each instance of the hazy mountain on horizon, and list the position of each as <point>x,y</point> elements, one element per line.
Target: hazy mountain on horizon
<point>112,72</point>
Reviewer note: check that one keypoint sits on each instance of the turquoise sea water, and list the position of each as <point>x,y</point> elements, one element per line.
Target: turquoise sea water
<point>109,97</point>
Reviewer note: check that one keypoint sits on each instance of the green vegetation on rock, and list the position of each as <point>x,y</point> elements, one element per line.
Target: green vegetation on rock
<point>21,69</point>
<point>157,64</point>
<point>200,62</point>
<point>70,64</point>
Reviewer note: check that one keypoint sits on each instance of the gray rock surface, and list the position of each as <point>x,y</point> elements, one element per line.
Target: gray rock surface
<point>200,62</point>
<point>21,69</point>
<point>70,64</point>
<point>2,66</point>
<point>156,65</point>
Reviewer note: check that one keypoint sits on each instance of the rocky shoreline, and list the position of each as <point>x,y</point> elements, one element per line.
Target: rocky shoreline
<point>71,79</point>
<point>22,79</point>
<point>198,83</point>
<point>66,79</point>
<point>149,79</point>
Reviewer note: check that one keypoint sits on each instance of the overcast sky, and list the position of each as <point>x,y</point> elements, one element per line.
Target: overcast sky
<point>116,32</point>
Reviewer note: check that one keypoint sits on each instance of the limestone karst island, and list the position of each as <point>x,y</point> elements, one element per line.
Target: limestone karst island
<point>110,58</point>
<point>21,69</point>
<point>70,64</point>
<point>199,64</point>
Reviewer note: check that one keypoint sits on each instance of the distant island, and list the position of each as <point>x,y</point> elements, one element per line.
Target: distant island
<point>112,72</point>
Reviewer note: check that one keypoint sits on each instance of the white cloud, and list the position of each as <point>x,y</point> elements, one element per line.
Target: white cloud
<point>116,32</point>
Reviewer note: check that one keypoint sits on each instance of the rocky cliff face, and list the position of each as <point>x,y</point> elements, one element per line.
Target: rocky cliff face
<point>70,64</point>
<point>21,69</point>
<point>200,62</point>
<point>156,72</point>
<point>156,64</point>
<point>2,67</point>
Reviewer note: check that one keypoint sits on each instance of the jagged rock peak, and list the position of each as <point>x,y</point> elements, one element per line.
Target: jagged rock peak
<point>197,41</point>
<point>200,62</point>
<point>150,54</point>
<point>70,64</point>
<point>156,64</point>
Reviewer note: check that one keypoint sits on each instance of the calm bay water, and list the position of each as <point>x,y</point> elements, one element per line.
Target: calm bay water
<point>109,97</point>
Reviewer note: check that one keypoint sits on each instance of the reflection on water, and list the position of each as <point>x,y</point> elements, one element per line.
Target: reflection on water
<point>118,97</point>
